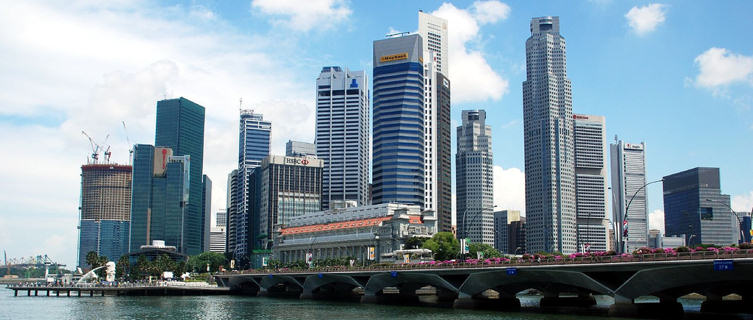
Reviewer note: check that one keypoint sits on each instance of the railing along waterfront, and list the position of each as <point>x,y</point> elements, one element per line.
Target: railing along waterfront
<point>533,260</point>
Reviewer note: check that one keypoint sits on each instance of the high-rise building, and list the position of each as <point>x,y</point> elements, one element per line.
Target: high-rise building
<point>206,211</point>
<point>437,143</point>
<point>475,179</point>
<point>591,182</point>
<point>253,146</point>
<point>398,152</point>
<point>628,167</point>
<point>217,236</point>
<point>433,31</point>
<point>510,232</point>
<point>299,149</point>
<point>548,140</point>
<point>695,208</point>
<point>342,135</point>
<point>159,201</point>
<point>290,187</point>
<point>231,211</point>
<point>180,127</point>
<point>105,211</point>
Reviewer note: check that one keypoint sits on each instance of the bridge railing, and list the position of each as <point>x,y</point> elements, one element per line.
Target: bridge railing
<point>531,261</point>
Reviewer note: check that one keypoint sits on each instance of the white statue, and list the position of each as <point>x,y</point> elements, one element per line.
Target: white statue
<point>110,271</point>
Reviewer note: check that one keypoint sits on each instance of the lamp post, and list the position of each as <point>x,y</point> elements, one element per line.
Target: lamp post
<point>625,216</point>
<point>465,217</point>
<point>739,223</point>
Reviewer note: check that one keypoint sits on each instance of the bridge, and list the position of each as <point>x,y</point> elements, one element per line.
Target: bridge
<point>566,284</point>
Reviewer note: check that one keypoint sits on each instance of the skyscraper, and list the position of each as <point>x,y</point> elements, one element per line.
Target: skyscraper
<point>290,187</point>
<point>437,143</point>
<point>299,149</point>
<point>475,179</point>
<point>509,227</point>
<point>628,166</point>
<point>695,208</point>
<point>398,152</point>
<point>253,146</point>
<point>232,211</point>
<point>548,140</point>
<point>206,211</point>
<point>591,182</point>
<point>160,194</point>
<point>180,127</point>
<point>105,211</point>
<point>342,134</point>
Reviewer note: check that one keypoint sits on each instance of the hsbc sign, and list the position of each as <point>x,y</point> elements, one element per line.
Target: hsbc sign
<point>297,161</point>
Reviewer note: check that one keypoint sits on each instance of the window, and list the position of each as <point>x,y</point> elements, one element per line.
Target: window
<point>707,213</point>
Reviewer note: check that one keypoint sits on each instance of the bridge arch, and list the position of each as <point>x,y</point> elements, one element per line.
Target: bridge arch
<point>544,280</point>
<point>407,282</point>
<point>329,286</point>
<point>282,284</point>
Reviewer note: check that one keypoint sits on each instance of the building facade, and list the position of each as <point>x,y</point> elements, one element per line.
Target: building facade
<point>253,146</point>
<point>398,151</point>
<point>695,207</point>
<point>353,232</point>
<point>299,149</point>
<point>475,179</point>
<point>343,134</point>
<point>548,141</point>
<point>231,213</point>
<point>180,127</point>
<point>437,131</point>
<point>290,187</point>
<point>591,182</point>
<point>159,201</point>
<point>105,211</point>
<point>510,236</point>
<point>628,167</point>
<point>206,211</point>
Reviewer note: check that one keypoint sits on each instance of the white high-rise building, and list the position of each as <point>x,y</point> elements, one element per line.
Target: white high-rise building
<point>628,166</point>
<point>437,131</point>
<point>433,31</point>
<point>342,135</point>
<point>548,140</point>
<point>475,179</point>
<point>591,182</point>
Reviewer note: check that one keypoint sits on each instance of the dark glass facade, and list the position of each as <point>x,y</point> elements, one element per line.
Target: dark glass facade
<point>398,152</point>
<point>141,194</point>
<point>107,238</point>
<point>695,208</point>
<point>180,126</point>
<point>443,156</point>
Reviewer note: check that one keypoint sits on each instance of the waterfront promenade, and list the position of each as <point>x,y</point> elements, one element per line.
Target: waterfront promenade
<point>166,289</point>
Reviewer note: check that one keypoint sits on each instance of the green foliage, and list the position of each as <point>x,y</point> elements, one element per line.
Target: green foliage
<point>198,263</point>
<point>489,251</point>
<point>122,267</point>
<point>414,242</point>
<point>443,245</point>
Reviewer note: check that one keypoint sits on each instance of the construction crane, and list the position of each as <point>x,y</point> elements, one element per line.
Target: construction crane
<point>5,257</point>
<point>107,152</point>
<point>94,145</point>
<point>130,147</point>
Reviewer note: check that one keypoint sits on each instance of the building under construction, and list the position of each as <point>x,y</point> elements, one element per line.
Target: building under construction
<point>105,211</point>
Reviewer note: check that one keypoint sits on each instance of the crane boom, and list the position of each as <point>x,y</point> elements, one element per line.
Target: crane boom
<point>130,147</point>
<point>94,145</point>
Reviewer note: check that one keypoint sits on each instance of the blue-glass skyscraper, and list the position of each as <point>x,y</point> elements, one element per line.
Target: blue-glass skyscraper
<point>180,126</point>
<point>253,146</point>
<point>398,153</point>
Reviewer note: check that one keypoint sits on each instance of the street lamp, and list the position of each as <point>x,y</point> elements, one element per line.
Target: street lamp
<point>739,223</point>
<point>465,217</point>
<point>625,216</point>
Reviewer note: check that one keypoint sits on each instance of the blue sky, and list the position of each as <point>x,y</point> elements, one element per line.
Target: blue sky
<point>677,75</point>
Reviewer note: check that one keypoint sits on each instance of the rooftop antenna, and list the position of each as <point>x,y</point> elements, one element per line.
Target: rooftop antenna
<point>130,147</point>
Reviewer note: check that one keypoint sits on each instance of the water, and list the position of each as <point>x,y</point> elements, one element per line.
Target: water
<point>234,307</point>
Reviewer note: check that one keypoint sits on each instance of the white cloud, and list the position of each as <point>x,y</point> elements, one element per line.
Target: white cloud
<point>509,189</point>
<point>304,15</point>
<point>718,67</point>
<point>645,19</point>
<point>743,202</point>
<point>656,220</point>
<point>473,79</point>
<point>95,65</point>
<point>490,11</point>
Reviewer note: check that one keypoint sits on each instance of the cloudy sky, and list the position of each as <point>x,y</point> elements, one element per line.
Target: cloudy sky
<point>676,75</point>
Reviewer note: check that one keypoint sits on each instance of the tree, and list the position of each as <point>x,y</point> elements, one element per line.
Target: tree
<point>123,267</point>
<point>487,250</point>
<point>414,242</point>
<point>92,259</point>
<point>443,245</point>
<point>198,263</point>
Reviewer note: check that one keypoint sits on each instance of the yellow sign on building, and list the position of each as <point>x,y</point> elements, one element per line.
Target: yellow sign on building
<point>394,57</point>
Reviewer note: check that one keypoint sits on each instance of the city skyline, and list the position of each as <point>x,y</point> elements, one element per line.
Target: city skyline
<point>142,78</point>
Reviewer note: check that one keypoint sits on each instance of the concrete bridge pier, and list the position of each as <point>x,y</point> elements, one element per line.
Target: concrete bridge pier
<point>504,303</point>
<point>553,301</point>
<point>715,304</point>
<point>666,308</point>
